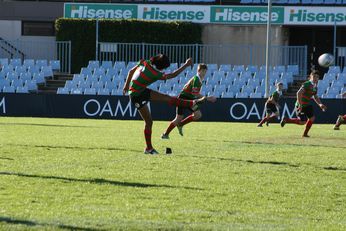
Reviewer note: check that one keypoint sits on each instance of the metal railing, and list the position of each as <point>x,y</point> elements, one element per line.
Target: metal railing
<point>49,50</point>
<point>340,59</point>
<point>207,53</point>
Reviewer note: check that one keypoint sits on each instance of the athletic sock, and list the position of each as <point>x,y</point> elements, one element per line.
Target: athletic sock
<point>174,101</point>
<point>307,127</point>
<point>147,135</point>
<point>186,120</point>
<point>170,128</point>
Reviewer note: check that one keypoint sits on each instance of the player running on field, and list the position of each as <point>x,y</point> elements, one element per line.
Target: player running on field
<point>190,91</point>
<point>303,106</point>
<point>140,77</point>
<point>341,118</point>
<point>272,105</point>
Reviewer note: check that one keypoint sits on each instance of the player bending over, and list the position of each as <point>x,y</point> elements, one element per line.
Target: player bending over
<point>303,107</point>
<point>272,105</point>
<point>341,118</point>
<point>190,91</point>
<point>140,77</point>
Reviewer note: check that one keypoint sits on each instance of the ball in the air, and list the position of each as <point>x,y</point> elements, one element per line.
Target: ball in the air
<point>326,60</point>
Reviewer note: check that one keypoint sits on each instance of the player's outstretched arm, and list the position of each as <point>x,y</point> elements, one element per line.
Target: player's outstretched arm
<point>128,79</point>
<point>319,103</point>
<point>180,69</point>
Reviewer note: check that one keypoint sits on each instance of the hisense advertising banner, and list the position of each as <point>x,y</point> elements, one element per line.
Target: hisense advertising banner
<point>198,14</point>
<point>245,15</point>
<point>239,15</point>
<point>107,11</point>
<point>315,15</point>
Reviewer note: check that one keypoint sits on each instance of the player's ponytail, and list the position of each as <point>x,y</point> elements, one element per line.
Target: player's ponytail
<point>160,61</point>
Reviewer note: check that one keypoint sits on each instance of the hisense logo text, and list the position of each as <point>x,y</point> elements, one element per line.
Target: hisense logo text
<point>235,16</point>
<point>85,12</point>
<point>156,13</point>
<point>305,16</point>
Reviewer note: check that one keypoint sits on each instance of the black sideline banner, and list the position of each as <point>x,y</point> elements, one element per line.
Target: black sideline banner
<point>119,107</point>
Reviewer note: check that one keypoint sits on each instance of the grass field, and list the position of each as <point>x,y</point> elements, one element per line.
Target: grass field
<point>69,174</point>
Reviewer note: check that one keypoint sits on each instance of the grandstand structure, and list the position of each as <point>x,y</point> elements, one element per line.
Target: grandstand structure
<point>107,78</point>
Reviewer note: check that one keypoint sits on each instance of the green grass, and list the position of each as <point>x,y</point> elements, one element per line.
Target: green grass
<point>69,174</point>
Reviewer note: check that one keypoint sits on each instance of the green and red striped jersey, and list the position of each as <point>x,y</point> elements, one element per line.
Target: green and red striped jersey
<point>309,90</point>
<point>192,88</point>
<point>276,96</point>
<point>145,75</point>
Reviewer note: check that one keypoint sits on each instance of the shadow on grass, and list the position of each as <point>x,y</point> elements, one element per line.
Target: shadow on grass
<point>246,161</point>
<point>13,221</point>
<point>268,143</point>
<point>97,181</point>
<point>5,158</point>
<point>46,125</point>
<point>334,168</point>
<point>75,148</point>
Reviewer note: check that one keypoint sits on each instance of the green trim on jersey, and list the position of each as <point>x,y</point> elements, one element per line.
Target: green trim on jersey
<point>309,91</point>
<point>276,96</point>
<point>192,88</point>
<point>146,76</point>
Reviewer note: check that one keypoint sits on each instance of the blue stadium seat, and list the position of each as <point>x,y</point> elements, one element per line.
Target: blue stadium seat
<point>103,91</point>
<point>4,82</point>
<point>33,69</point>
<point>239,68</point>
<point>55,64</point>
<point>47,71</point>
<point>4,62</point>
<point>242,95</point>
<point>63,91</point>
<point>22,90</point>
<point>12,76</point>
<point>107,65</point>
<point>41,63</point>
<point>17,83</point>
<point>8,89</point>
<point>117,92</point>
<point>76,91</point>
<point>119,65</point>
<point>252,68</point>
<point>256,95</point>
<point>334,70</point>
<point>31,85</point>
<point>39,77</point>
<point>86,71</point>
<point>227,95</point>
<point>89,91</point>
<point>16,62</point>
<point>225,67</point>
<point>93,64</point>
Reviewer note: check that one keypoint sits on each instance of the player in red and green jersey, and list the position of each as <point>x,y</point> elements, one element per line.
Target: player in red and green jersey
<point>341,118</point>
<point>303,106</point>
<point>190,91</point>
<point>140,77</point>
<point>272,105</point>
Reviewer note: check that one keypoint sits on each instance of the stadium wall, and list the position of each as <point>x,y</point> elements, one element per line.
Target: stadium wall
<point>119,107</point>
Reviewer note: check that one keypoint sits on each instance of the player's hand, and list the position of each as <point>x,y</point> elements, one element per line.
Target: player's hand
<point>189,62</point>
<point>323,107</point>
<point>211,99</point>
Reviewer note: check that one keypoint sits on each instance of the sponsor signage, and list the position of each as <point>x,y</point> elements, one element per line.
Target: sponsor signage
<point>245,15</point>
<point>240,15</point>
<point>200,14</point>
<point>107,11</point>
<point>315,15</point>
<point>119,107</point>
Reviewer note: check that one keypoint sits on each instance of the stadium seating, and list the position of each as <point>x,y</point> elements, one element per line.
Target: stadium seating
<point>22,76</point>
<point>225,81</point>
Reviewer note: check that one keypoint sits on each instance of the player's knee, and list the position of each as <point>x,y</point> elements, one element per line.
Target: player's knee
<point>197,115</point>
<point>312,119</point>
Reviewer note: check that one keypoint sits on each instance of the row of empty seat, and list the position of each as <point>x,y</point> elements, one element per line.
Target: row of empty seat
<point>23,77</point>
<point>222,81</point>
